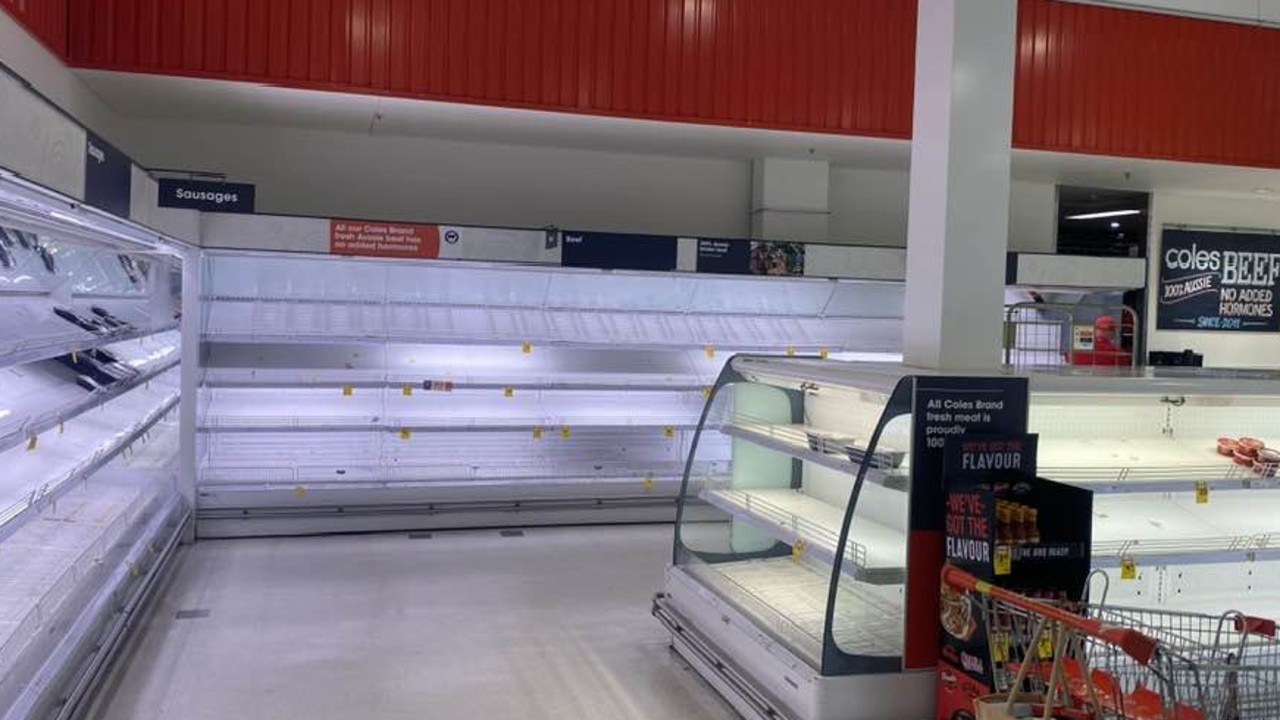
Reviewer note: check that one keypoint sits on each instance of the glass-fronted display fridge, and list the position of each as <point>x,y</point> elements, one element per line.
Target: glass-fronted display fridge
<point>804,577</point>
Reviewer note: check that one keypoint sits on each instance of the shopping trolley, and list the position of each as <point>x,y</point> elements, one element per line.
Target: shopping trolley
<point>1086,661</point>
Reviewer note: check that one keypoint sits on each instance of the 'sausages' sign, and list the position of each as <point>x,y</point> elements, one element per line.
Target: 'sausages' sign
<point>1218,281</point>
<point>207,196</point>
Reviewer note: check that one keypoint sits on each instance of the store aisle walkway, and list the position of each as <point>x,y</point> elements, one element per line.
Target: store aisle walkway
<point>553,624</point>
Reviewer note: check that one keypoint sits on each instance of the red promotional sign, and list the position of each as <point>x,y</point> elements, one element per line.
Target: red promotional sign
<point>383,239</point>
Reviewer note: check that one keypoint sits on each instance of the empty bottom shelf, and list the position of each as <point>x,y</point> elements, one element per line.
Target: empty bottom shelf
<point>788,598</point>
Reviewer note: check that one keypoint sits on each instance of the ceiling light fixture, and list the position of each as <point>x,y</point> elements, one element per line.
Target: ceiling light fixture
<point>1264,191</point>
<point>1107,214</point>
<point>1114,224</point>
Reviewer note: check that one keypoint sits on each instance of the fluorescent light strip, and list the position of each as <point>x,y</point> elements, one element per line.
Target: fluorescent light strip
<point>1107,214</point>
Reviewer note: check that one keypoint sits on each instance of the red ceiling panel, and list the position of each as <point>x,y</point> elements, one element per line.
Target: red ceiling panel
<point>822,65</point>
<point>45,19</point>
<point>1093,79</point>
<point>1089,79</point>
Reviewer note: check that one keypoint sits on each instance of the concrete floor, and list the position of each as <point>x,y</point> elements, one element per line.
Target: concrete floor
<point>554,624</point>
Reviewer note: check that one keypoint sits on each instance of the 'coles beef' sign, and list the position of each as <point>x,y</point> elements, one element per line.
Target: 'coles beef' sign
<point>1219,281</point>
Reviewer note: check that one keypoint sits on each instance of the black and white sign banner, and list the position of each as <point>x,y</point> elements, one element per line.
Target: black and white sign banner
<point>207,196</point>
<point>1219,281</point>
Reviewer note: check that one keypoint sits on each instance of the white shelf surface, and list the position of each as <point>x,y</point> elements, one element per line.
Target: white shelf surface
<point>55,552</point>
<point>514,456</point>
<point>789,599</point>
<point>1167,530</point>
<point>792,516</point>
<point>793,440</point>
<point>284,321</point>
<point>227,409</point>
<point>37,396</point>
<point>457,454</point>
<point>33,476</point>
<point>1141,465</point>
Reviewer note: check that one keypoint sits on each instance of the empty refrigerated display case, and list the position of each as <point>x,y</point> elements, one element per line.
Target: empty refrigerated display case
<point>792,600</point>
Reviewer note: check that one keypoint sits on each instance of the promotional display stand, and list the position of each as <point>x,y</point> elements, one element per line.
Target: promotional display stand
<point>1008,527</point>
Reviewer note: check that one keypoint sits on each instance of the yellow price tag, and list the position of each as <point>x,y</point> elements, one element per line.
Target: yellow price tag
<point>299,490</point>
<point>347,390</point>
<point>526,347</point>
<point>1202,492</point>
<point>669,431</point>
<point>1004,560</point>
<point>564,432</point>
<point>648,482</point>
<point>791,351</point>
<point>710,350</point>
<point>537,433</point>
<point>999,646</point>
<point>706,392</point>
<point>797,550</point>
<point>1045,647</point>
<point>823,353</point>
<point>508,391</point>
<point>32,442</point>
<point>1128,569</point>
<point>405,434</point>
<point>407,390</point>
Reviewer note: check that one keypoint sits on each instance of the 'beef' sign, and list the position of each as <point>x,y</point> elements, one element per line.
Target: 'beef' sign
<point>1218,281</point>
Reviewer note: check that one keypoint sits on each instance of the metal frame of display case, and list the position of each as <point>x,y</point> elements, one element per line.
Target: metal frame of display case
<point>716,629</point>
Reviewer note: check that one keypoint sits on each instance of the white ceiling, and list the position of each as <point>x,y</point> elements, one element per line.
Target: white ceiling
<point>222,102</point>
<point>1139,174</point>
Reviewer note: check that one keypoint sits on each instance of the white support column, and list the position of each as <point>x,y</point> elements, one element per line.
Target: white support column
<point>958,220</point>
<point>789,199</point>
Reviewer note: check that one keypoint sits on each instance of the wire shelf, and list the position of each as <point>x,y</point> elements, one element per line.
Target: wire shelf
<point>242,410</point>
<point>293,322</point>
<point>86,447</point>
<point>439,475</point>
<point>43,418</point>
<point>874,552</point>
<point>62,549</point>
<point>1229,548</point>
<point>799,442</point>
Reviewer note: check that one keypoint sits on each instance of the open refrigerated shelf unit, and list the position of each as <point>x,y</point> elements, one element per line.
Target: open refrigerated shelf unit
<point>89,388</point>
<point>344,393</point>
<point>791,600</point>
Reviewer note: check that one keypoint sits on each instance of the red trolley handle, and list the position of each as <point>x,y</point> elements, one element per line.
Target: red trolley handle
<point>1134,644</point>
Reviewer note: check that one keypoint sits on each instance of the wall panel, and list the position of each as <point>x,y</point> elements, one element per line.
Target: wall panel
<point>1093,79</point>
<point>820,65</point>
